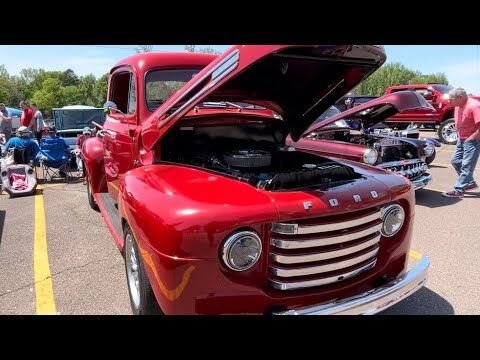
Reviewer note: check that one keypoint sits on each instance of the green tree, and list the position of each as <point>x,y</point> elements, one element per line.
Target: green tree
<point>71,95</point>
<point>395,74</point>
<point>69,78</point>
<point>205,50</point>
<point>144,48</point>
<point>86,88</point>
<point>10,92</point>
<point>4,83</point>
<point>31,80</point>
<point>51,95</point>
<point>100,90</point>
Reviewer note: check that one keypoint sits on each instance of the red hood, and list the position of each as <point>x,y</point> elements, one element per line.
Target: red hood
<point>377,110</point>
<point>297,82</point>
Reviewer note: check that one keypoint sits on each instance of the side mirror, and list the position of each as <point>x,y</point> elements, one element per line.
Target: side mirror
<point>110,106</point>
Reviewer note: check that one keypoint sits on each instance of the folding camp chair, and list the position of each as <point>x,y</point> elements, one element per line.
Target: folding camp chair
<point>23,156</point>
<point>54,159</point>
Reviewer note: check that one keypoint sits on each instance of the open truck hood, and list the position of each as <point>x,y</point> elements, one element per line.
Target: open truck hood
<point>297,82</point>
<point>377,110</point>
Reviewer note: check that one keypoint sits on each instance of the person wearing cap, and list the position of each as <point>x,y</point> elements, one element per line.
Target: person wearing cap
<point>22,141</point>
<point>86,133</point>
<point>467,152</point>
<point>5,122</point>
<point>52,132</point>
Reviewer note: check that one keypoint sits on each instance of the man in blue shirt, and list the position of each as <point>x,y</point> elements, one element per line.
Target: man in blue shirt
<point>22,141</point>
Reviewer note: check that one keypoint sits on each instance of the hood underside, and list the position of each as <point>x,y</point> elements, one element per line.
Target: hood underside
<point>297,82</point>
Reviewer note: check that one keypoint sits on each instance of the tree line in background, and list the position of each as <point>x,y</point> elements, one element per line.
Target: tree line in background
<point>396,74</point>
<point>51,89</point>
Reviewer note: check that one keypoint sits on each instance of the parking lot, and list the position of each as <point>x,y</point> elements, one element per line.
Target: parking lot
<point>84,271</point>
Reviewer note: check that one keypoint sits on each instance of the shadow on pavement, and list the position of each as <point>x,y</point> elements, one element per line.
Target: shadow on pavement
<point>2,222</point>
<point>433,199</point>
<point>423,302</point>
<point>437,166</point>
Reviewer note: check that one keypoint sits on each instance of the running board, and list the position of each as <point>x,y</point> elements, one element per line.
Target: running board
<point>109,210</point>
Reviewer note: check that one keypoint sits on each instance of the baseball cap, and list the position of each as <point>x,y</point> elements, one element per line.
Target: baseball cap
<point>22,129</point>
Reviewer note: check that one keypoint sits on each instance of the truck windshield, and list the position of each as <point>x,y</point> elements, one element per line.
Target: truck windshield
<point>444,89</point>
<point>162,84</point>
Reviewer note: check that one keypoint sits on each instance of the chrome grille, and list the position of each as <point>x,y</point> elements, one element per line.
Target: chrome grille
<point>408,168</point>
<point>323,252</point>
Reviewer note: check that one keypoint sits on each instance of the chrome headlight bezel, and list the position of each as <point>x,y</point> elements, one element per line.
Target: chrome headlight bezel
<point>429,149</point>
<point>387,212</point>
<point>232,241</point>
<point>370,156</point>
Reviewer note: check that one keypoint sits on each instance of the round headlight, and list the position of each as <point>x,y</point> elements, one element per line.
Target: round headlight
<point>242,250</point>
<point>429,149</point>
<point>393,217</point>
<point>370,156</point>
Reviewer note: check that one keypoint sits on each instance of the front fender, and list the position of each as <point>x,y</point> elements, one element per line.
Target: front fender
<point>433,142</point>
<point>180,216</point>
<point>92,156</point>
<point>186,212</point>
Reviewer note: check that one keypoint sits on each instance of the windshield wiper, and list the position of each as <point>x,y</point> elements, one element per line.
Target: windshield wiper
<point>223,104</point>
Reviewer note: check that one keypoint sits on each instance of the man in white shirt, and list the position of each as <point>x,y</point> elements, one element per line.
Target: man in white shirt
<point>39,124</point>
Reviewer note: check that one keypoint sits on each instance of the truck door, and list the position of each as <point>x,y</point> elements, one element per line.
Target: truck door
<point>120,128</point>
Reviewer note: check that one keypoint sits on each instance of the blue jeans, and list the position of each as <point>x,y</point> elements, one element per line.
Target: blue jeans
<point>464,161</point>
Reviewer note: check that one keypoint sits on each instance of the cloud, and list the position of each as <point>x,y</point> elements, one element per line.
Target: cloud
<point>465,74</point>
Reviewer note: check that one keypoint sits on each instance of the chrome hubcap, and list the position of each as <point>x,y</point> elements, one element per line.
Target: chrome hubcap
<point>132,270</point>
<point>449,133</point>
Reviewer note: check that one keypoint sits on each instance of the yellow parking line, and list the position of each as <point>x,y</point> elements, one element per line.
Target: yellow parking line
<point>415,255</point>
<point>46,186</point>
<point>44,301</point>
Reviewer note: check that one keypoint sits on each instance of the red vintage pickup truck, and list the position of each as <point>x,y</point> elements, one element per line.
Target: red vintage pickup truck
<point>214,214</point>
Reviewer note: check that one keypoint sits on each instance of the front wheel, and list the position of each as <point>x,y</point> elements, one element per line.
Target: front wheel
<point>91,199</point>
<point>447,132</point>
<point>142,299</point>
<point>430,159</point>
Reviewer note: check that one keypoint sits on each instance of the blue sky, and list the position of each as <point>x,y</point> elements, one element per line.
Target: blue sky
<point>460,63</point>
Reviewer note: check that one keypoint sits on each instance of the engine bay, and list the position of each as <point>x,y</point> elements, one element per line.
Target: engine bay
<point>253,153</point>
<point>390,148</point>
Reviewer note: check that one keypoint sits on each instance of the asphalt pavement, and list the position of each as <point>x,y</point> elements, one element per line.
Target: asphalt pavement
<point>88,275</point>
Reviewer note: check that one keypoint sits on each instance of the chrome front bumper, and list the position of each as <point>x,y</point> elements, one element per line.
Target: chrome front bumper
<point>375,300</point>
<point>422,181</point>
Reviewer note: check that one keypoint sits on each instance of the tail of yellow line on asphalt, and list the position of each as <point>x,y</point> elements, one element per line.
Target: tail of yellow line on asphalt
<point>44,300</point>
<point>415,255</point>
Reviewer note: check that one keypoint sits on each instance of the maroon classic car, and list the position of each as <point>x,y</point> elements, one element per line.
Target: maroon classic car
<point>214,214</point>
<point>355,135</point>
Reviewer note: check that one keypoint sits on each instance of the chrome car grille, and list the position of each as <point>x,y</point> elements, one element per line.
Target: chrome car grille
<point>322,252</point>
<point>408,168</point>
